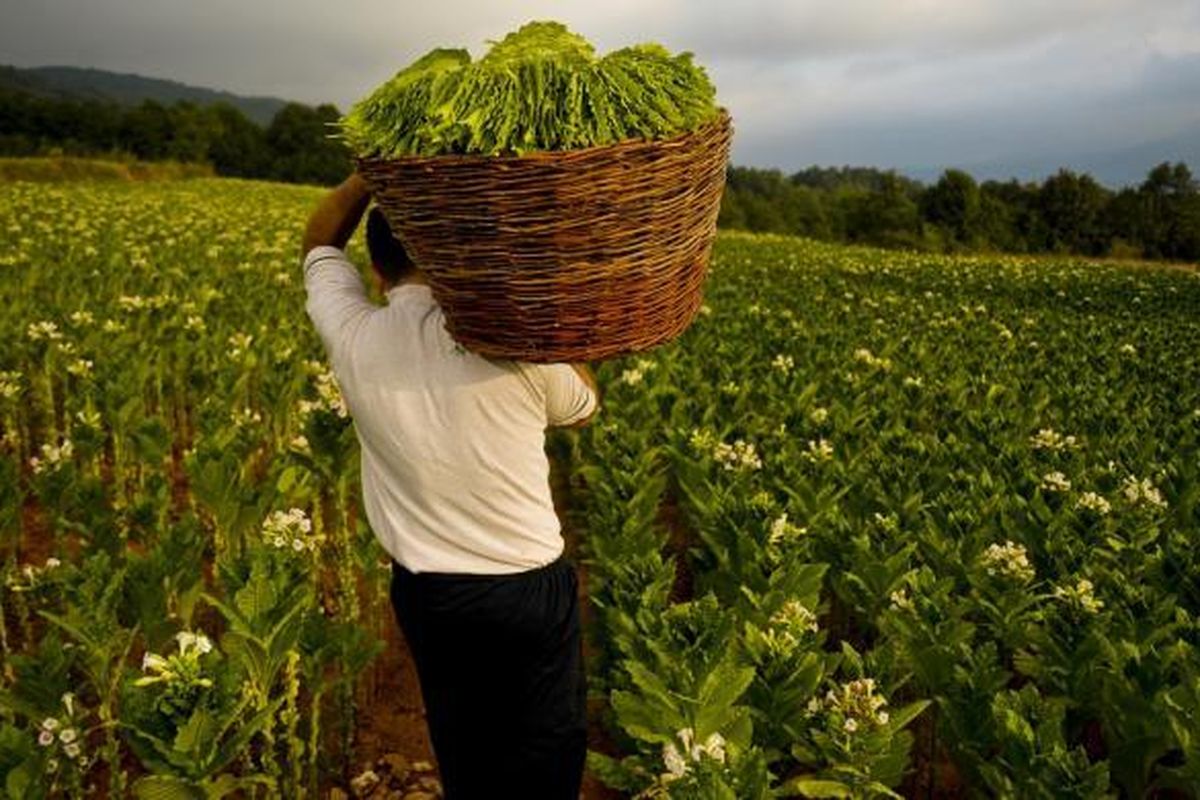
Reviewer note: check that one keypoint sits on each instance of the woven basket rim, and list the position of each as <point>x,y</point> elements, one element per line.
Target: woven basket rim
<point>492,233</point>
<point>720,120</point>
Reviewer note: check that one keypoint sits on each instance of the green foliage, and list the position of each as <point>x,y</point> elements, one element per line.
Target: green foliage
<point>159,141</point>
<point>1065,213</point>
<point>967,480</point>
<point>540,88</point>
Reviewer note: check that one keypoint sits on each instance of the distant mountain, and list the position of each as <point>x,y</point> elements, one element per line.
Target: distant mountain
<point>1115,168</point>
<point>126,89</point>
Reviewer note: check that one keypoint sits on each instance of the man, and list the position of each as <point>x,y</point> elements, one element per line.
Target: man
<point>456,487</point>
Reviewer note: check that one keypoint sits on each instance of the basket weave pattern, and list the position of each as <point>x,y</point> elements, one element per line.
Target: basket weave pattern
<point>566,256</point>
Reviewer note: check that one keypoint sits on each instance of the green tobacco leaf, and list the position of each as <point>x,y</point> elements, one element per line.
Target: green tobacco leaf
<point>815,787</point>
<point>540,88</point>
<point>898,719</point>
<point>644,721</point>
<point>256,599</point>
<point>165,787</point>
<point>197,735</point>
<point>722,687</point>
<point>615,774</point>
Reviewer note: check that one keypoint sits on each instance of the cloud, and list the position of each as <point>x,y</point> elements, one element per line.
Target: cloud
<point>853,81</point>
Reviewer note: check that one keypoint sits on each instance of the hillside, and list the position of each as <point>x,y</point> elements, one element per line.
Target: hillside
<point>128,89</point>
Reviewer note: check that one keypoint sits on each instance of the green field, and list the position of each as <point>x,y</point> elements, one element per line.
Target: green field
<point>878,525</point>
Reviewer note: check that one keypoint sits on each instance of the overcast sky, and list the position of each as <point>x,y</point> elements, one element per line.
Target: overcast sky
<point>894,83</point>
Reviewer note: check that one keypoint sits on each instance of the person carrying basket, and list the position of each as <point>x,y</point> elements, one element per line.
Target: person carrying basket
<point>456,488</point>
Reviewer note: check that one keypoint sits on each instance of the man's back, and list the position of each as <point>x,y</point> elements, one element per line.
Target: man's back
<point>456,485</point>
<point>454,472</point>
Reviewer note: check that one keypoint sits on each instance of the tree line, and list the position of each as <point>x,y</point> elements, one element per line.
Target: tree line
<point>1066,213</point>
<point>295,147</point>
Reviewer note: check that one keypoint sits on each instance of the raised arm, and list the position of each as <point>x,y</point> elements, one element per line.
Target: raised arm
<point>338,214</point>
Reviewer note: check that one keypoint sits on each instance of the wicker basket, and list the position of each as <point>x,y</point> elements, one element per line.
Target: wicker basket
<point>568,256</point>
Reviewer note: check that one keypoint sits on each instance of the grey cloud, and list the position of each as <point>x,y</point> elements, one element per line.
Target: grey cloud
<point>854,81</point>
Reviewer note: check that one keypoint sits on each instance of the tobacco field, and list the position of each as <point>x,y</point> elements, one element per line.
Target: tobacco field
<point>879,524</point>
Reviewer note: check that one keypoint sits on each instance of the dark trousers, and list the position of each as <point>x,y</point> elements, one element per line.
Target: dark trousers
<point>500,662</point>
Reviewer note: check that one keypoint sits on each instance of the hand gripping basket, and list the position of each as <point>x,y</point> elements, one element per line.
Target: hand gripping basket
<point>562,256</point>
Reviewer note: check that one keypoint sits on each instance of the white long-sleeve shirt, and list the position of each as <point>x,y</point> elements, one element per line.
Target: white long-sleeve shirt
<point>454,471</point>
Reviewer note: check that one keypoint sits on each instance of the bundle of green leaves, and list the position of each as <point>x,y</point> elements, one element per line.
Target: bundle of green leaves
<point>540,88</point>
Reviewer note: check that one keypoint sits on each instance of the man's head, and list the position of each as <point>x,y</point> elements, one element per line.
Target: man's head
<point>388,256</point>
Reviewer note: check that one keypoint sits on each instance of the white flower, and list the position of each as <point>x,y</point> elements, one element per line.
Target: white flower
<point>80,367</point>
<point>45,738</point>
<point>1049,439</point>
<point>632,377</point>
<point>1093,502</point>
<point>783,363</point>
<point>53,456</point>
<point>673,761</point>
<point>818,415</point>
<point>851,725</point>
<point>1055,482</point>
<point>795,618</point>
<point>1080,595</point>
<point>153,662</point>
<point>330,396</point>
<point>193,641</point>
<point>50,724</point>
<point>914,381</point>
<point>239,344</point>
<point>193,323</point>
<point>714,747</point>
<point>43,331</point>
<point>67,735</point>
<point>72,750</point>
<point>901,600</point>
<point>1008,560</point>
<point>819,450</point>
<point>782,530</point>
<point>870,359</point>
<point>1129,349</point>
<point>291,528</point>
<point>889,522</point>
<point>740,455</point>
<point>10,385</point>
<point>1142,491</point>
